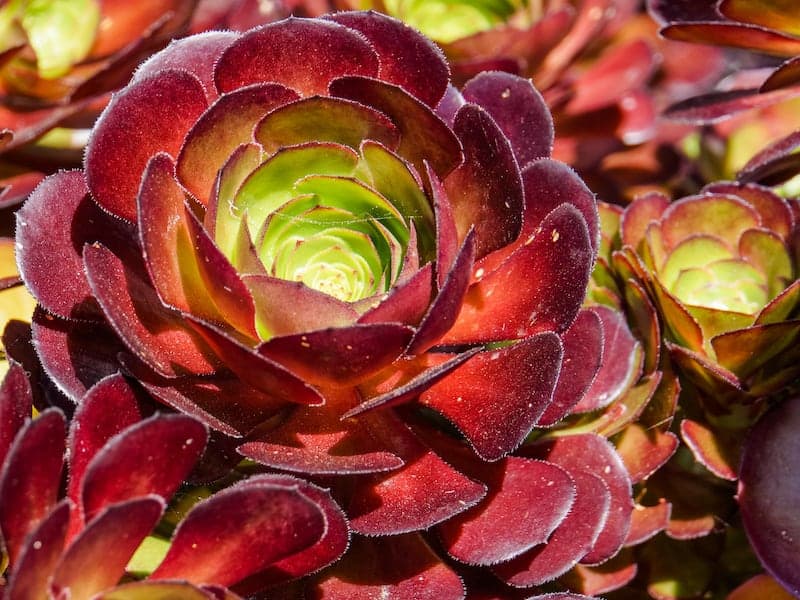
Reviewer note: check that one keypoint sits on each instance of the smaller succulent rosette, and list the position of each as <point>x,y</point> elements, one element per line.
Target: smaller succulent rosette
<point>721,267</point>
<point>124,464</point>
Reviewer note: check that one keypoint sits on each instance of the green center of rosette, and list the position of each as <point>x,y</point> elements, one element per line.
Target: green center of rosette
<point>338,220</point>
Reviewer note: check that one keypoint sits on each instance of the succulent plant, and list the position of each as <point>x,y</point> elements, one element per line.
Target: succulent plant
<point>124,464</point>
<point>360,274</point>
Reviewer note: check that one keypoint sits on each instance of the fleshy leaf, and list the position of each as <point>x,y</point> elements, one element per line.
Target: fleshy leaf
<point>492,531</point>
<point>485,191</point>
<point>241,531</point>
<point>91,563</point>
<point>583,354</point>
<point>539,287</point>
<point>149,116</point>
<point>768,492</point>
<point>406,58</point>
<point>16,403</point>
<point>153,332</point>
<point>30,478</point>
<point>497,397</point>
<point>395,569</point>
<point>571,540</point>
<point>151,457</point>
<point>226,124</point>
<point>518,108</point>
<point>339,356</point>
<point>325,49</point>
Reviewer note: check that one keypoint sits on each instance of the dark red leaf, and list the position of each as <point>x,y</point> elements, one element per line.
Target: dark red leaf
<point>30,576</point>
<point>45,230</point>
<point>152,457</point>
<point>769,490</point>
<point>339,356</point>
<point>424,491</point>
<point>539,287</point>
<point>147,117</point>
<point>16,404</point>
<point>331,545</point>
<point>583,353</point>
<point>241,531</point>
<point>527,500</point>
<point>396,568</point>
<point>496,398</point>
<point>154,333</point>
<point>196,54</point>
<point>593,454</point>
<point>405,57</point>
<point>518,108</point>
<point>571,540</point>
<point>75,354</point>
<point>485,191</point>
<point>325,49</point>
<point>96,559</point>
<point>313,440</point>
<point>31,477</point>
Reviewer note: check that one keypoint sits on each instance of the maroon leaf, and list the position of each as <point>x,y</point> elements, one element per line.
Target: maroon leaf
<point>425,491</point>
<point>774,164</point>
<point>148,116</point>
<point>537,288</point>
<point>571,540</point>
<point>331,545</point>
<point>227,124</point>
<point>769,491</point>
<point>444,309</point>
<point>406,58</point>
<point>258,371</point>
<point>75,354</point>
<point>96,559</point>
<point>394,568</point>
<point>152,457</point>
<point>496,398</point>
<point>593,454</point>
<point>311,440</point>
<point>493,531</point>
<point>339,356</point>
<point>45,230</point>
<point>412,388</point>
<point>30,478</point>
<point>621,366</point>
<point>241,531</point>
<point>549,183</point>
<point>325,49</point>
<point>717,106</point>
<point>518,108</point>
<point>16,403</point>
<point>154,333</point>
<point>107,408</point>
<point>196,54</point>
<point>423,135</point>
<point>583,353</point>
<point>30,577</point>
<point>486,189</point>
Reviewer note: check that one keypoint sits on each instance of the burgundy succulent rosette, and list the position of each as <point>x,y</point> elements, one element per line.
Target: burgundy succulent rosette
<point>306,238</point>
